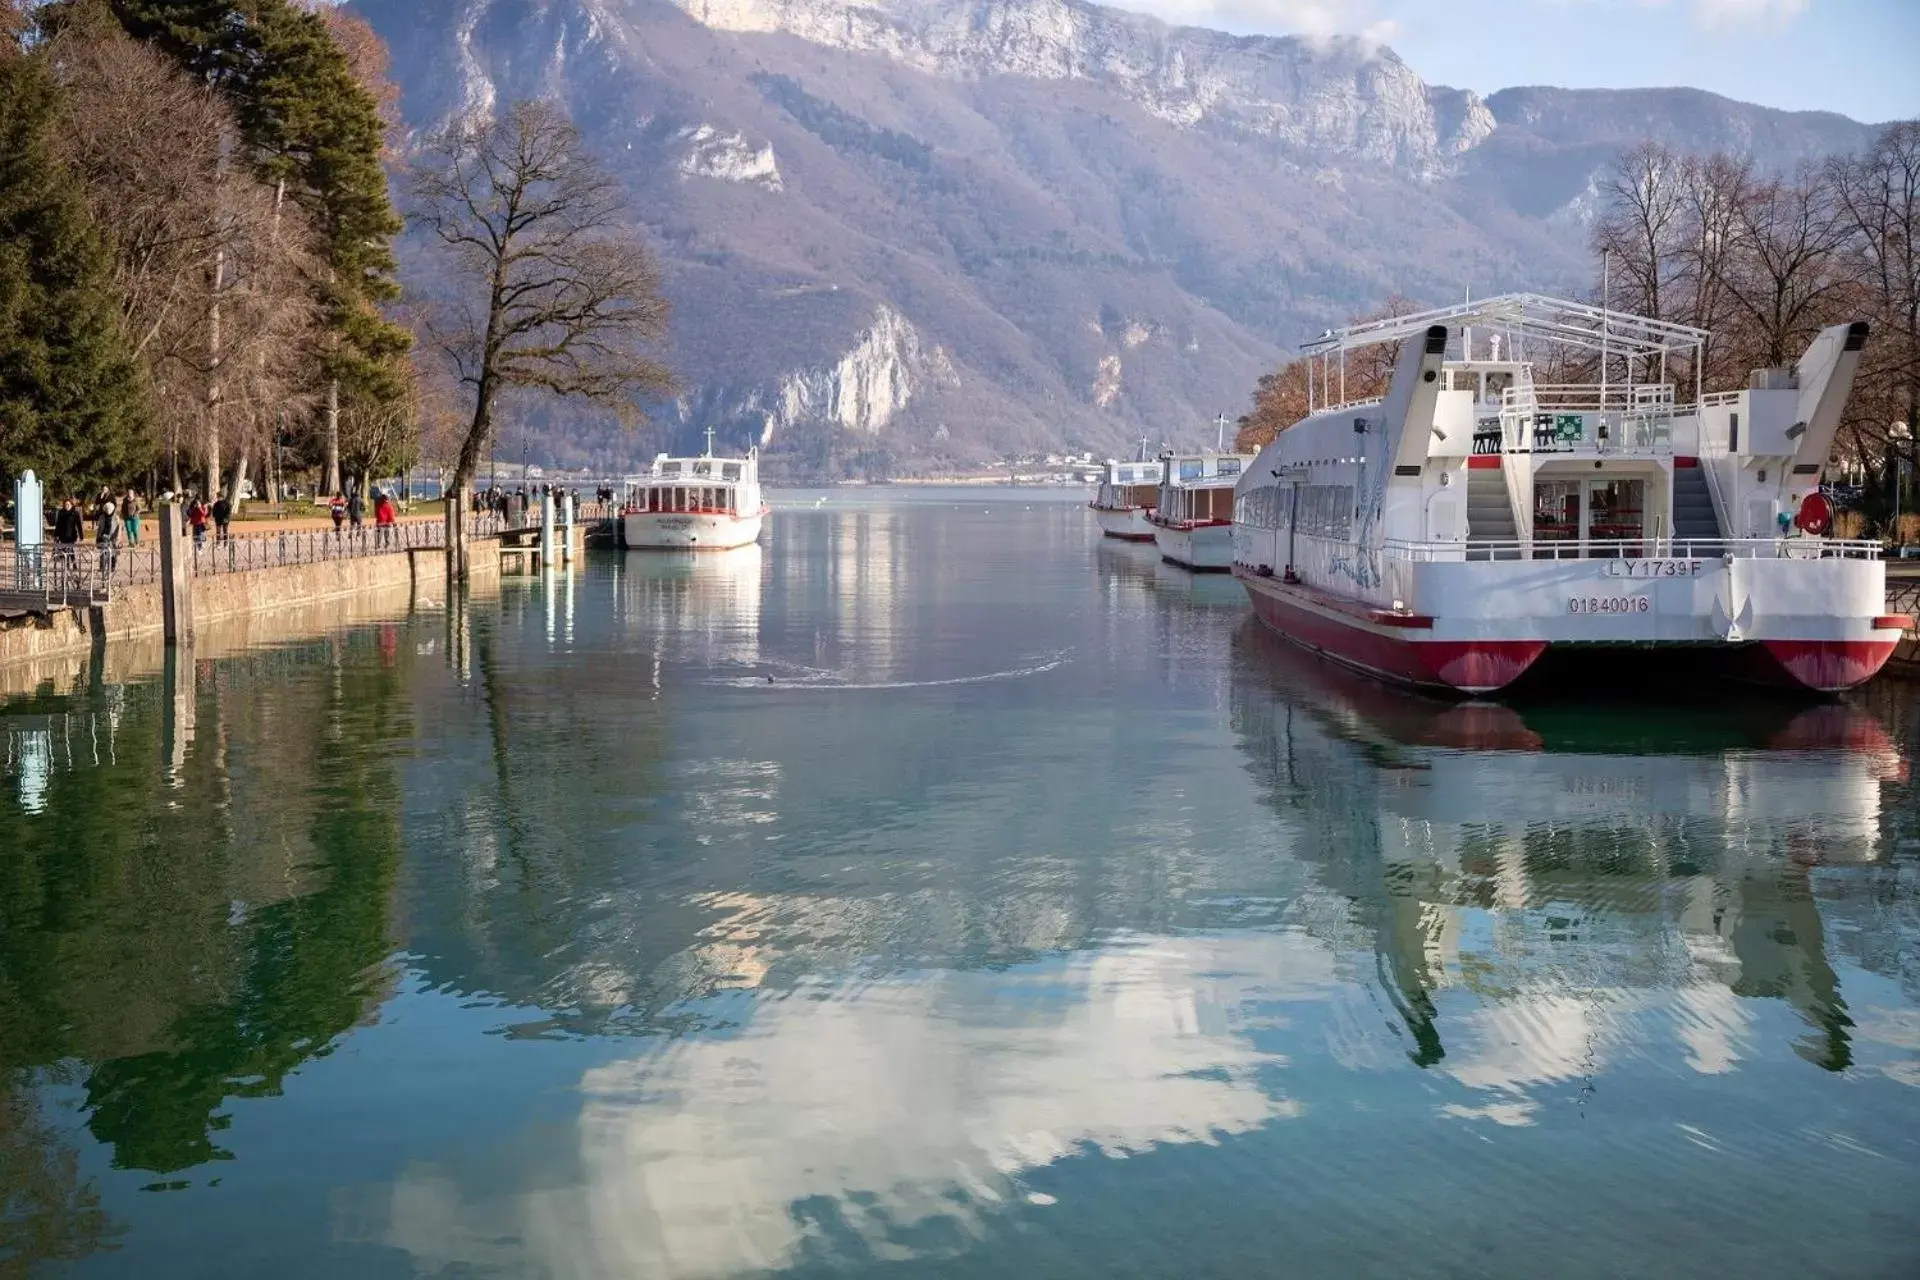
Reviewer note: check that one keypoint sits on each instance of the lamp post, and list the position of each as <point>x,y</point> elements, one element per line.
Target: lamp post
<point>1896,435</point>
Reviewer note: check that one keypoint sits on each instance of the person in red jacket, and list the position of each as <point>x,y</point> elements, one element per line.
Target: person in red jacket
<point>384,519</point>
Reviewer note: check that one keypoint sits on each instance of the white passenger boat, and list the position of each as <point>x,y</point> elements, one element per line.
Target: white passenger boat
<point>1192,519</point>
<point>1449,535</point>
<point>1126,498</point>
<point>694,504</point>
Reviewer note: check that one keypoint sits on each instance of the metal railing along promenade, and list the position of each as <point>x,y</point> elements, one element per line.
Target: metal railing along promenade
<point>59,575</point>
<point>246,553</point>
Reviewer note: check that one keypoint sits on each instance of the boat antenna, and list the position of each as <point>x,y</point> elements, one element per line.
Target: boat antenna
<point>709,442</point>
<point>1220,433</point>
<point>1143,448</point>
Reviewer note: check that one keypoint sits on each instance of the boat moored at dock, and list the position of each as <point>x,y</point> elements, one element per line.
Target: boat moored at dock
<point>1192,520</point>
<point>1450,534</point>
<point>694,504</point>
<point>1126,500</point>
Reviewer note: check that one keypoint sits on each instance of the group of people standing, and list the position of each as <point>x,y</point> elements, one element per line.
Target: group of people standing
<point>350,509</point>
<point>110,519</point>
<point>201,515</point>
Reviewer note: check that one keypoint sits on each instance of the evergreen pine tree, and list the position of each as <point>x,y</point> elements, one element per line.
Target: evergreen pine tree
<point>72,406</point>
<point>310,124</point>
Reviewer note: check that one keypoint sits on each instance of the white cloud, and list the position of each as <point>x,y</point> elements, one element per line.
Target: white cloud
<point>1313,19</point>
<point>1747,14</point>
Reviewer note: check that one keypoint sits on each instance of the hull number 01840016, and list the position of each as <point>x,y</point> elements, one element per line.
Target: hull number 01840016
<point>1608,604</point>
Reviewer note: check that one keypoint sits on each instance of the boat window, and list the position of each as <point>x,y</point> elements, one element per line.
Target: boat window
<point>1227,466</point>
<point>1733,433</point>
<point>669,468</point>
<point>1192,469</point>
<point>1556,511</point>
<point>1497,384</point>
<point>731,471</point>
<point>1616,514</point>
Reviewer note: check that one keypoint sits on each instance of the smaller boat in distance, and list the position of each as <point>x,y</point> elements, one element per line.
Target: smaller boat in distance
<point>1192,518</point>
<point>1126,498</point>
<point>694,504</point>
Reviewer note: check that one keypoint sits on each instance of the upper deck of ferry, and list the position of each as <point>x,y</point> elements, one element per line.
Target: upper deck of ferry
<point>703,484</point>
<point>1622,453</point>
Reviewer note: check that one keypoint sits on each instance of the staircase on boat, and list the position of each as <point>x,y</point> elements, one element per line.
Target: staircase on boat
<point>1693,515</point>
<point>1489,514</point>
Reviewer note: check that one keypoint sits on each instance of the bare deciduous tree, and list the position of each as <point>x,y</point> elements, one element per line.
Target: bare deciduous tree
<point>1641,229</point>
<point>1880,194</point>
<point>1788,278</point>
<point>557,293</point>
<point>213,269</point>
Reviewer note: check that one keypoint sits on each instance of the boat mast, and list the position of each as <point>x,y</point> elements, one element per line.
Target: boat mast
<point>1220,433</point>
<point>709,452</point>
<point>1606,290</point>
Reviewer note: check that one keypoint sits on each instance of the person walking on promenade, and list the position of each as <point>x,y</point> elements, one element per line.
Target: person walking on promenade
<point>197,521</point>
<point>356,510</point>
<point>385,518</point>
<point>130,516</point>
<point>68,525</point>
<point>107,535</point>
<point>222,518</point>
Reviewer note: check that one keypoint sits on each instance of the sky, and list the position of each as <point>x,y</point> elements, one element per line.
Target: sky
<point>1858,57</point>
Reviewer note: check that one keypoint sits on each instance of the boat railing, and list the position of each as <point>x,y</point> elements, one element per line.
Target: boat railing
<point>1585,417</point>
<point>1648,548</point>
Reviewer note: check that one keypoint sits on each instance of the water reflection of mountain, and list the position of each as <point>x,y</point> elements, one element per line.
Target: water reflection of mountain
<point>1545,863</point>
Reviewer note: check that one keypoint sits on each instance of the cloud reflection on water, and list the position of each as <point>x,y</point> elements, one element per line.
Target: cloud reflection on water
<point>897,1113</point>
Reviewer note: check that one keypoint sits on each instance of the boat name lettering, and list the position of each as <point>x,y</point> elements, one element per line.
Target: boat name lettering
<point>1608,604</point>
<point>1655,568</point>
<point>676,522</point>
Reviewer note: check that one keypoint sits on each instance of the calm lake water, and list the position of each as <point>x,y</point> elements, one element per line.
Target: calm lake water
<point>937,891</point>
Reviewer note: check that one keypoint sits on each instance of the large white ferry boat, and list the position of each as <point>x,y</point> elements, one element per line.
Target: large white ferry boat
<point>1192,519</point>
<point>694,504</point>
<point>1474,519</point>
<point>1126,498</point>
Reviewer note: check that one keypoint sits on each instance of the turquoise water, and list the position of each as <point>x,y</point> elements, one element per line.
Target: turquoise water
<point>939,891</point>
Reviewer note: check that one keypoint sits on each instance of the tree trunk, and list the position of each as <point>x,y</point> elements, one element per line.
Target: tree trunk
<point>331,485</point>
<point>239,478</point>
<point>212,447</point>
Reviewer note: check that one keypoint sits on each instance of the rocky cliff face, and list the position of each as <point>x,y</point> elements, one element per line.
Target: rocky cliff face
<point>1346,96</point>
<point>940,229</point>
<point>862,391</point>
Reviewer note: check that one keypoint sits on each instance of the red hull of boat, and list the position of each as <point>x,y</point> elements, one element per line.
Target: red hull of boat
<point>1392,652</point>
<point>1366,639</point>
<point>1825,666</point>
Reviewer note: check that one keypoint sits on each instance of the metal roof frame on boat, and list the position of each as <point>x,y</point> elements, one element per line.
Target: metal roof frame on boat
<point>1526,315</point>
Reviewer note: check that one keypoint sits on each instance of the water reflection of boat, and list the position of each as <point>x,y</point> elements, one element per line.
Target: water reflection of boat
<point>705,604</point>
<point>1571,865</point>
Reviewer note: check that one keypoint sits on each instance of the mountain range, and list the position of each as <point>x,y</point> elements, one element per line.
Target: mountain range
<point>919,233</point>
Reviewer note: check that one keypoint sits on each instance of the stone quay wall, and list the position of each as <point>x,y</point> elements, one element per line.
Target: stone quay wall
<point>139,612</point>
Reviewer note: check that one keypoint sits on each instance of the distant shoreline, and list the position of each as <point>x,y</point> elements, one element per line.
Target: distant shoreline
<point>998,481</point>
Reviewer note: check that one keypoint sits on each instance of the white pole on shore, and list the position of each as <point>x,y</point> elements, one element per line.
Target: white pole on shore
<point>566,529</point>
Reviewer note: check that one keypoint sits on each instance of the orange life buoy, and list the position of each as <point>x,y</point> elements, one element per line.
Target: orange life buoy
<point>1815,515</point>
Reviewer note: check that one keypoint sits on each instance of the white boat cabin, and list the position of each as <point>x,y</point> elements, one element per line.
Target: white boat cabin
<point>697,486</point>
<point>1128,486</point>
<point>1197,488</point>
